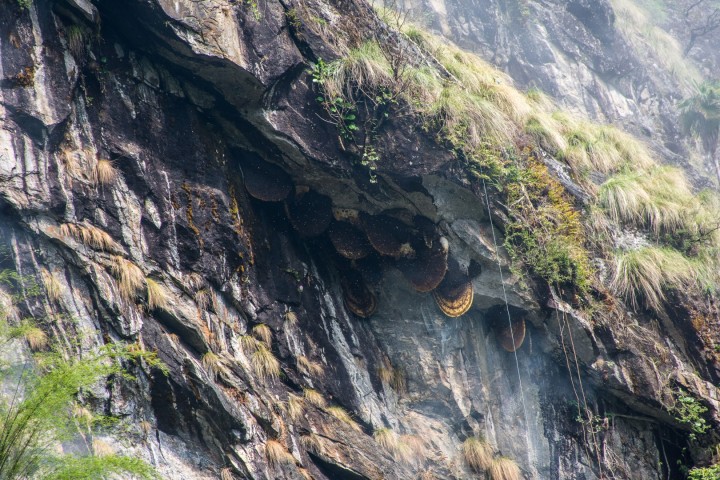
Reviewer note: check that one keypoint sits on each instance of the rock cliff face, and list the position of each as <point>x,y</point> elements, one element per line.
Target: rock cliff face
<point>188,100</point>
<point>617,61</point>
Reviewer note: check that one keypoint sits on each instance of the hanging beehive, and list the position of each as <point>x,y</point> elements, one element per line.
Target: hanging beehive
<point>349,241</point>
<point>309,212</point>
<point>427,269</point>
<point>265,181</point>
<point>455,293</point>
<point>388,235</point>
<point>356,295</point>
<point>511,336</point>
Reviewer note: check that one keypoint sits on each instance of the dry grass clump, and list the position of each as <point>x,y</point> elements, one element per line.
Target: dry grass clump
<point>158,296</point>
<point>248,344</point>
<point>203,298</point>
<point>309,367</point>
<point>641,276</point>
<point>90,236</point>
<point>659,199</point>
<point>52,285</point>
<point>264,363</point>
<point>291,317</point>
<point>129,276</point>
<point>311,442</point>
<point>212,364</point>
<point>277,454</point>
<point>36,338</point>
<point>314,398</point>
<point>393,377</point>
<point>101,448</point>
<point>402,447</point>
<point>478,453</point>
<point>295,406</point>
<point>504,468</point>
<point>342,415</point>
<point>365,68</point>
<point>263,333</point>
<point>105,172</point>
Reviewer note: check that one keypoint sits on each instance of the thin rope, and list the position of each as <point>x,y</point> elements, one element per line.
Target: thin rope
<point>507,309</point>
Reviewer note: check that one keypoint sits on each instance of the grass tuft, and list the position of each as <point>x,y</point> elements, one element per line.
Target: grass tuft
<point>264,363</point>
<point>157,295</point>
<point>129,277</point>
<point>504,468</point>
<point>295,406</point>
<point>314,398</point>
<point>277,454</point>
<point>641,276</point>
<point>52,285</point>
<point>309,367</point>
<point>105,172</point>
<point>659,199</point>
<point>402,447</point>
<point>478,454</point>
<point>212,364</point>
<point>263,333</point>
<point>90,236</point>
<point>342,415</point>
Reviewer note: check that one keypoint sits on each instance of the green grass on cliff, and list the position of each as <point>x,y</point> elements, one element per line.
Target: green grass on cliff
<point>474,110</point>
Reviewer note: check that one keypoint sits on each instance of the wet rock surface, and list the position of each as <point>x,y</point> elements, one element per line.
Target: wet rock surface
<point>184,99</point>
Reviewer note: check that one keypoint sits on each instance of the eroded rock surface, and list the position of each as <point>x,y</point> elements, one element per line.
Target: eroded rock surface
<point>180,96</point>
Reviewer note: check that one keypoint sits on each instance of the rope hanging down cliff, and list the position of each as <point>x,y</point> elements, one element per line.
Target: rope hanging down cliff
<point>507,309</point>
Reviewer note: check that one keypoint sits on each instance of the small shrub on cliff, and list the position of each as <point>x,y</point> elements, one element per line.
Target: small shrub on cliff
<point>706,473</point>
<point>689,411</point>
<point>30,426</point>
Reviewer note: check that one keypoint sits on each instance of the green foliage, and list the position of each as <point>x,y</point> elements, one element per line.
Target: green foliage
<point>24,4</point>
<point>39,415</point>
<point>689,411</point>
<point>707,473</point>
<point>340,110</point>
<point>96,467</point>
<point>546,234</point>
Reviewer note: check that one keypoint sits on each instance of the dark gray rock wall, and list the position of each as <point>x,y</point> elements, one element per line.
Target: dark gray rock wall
<point>181,96</point>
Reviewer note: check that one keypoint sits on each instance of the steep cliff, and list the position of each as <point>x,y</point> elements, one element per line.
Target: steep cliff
<point>619,61</point>
<point>146,148</point>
